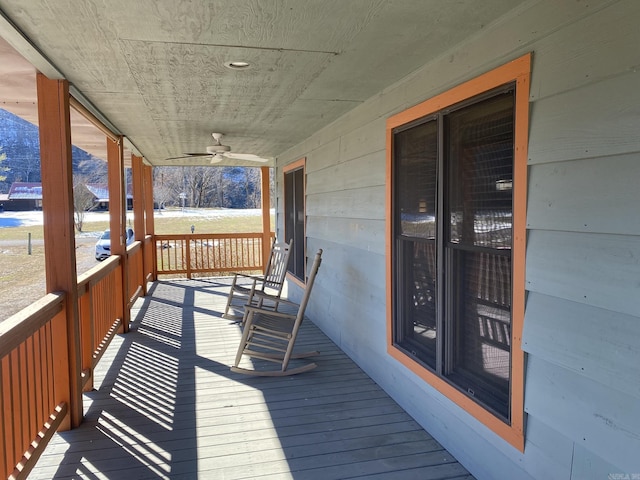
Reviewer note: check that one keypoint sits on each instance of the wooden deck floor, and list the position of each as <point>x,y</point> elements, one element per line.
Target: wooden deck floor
<point>167,406</point>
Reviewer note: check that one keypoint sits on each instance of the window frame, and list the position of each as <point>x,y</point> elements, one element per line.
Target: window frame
<point>518,73</point>
<point>289,169</point>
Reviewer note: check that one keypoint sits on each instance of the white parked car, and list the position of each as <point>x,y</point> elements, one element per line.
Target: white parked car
<point>103,245</point>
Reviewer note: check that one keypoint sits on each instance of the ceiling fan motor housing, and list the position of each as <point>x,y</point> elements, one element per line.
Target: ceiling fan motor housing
<point>213,149</point>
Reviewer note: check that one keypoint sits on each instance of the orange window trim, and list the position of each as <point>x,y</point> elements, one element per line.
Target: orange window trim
<point>294,165</point>
<point>517,70</point>
<point>301,163</point>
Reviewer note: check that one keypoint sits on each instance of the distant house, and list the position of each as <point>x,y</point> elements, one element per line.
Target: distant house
<point>24,196</point>
<point>101,193</point>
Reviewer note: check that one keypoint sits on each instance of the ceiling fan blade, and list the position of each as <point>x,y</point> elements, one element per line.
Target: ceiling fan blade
<point>246,156</point>
<point>189,155</point>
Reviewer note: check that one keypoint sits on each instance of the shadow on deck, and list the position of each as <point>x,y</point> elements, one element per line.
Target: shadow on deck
<point>165,405</point>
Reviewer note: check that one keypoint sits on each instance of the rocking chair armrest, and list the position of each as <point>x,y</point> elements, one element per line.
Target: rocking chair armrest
<point>267,296</point>
<point>268,311</point>
<point>272,298</point>
<point>256,278</point>
<point>286,302</point>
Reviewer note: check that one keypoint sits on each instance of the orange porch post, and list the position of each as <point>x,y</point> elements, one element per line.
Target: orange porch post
<point>138,211</point>
<point>138,198</point>
<point>265,196</point>
<point>118,221</point>
<point>149,222</point>
<point>59,238</point>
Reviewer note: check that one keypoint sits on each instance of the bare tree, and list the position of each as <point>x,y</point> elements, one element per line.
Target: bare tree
<point>27,168</point>
<point>200,184</point>
<point>162,194</point>
<point>3,157</point>
<point>252,187</point>
<point>83,200</point>
<point>164,185</point>
<point>218,187</point>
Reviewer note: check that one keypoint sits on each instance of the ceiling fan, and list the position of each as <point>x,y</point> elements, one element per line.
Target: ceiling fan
<point>219,152</point>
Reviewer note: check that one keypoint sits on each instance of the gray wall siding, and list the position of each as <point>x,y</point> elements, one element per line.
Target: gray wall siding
<point>582,322</point>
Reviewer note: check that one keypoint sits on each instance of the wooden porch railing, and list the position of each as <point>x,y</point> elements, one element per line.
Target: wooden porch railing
<point>34,368</point>
<point>34,359</point>
<point>149,259</point>
<point>208,254</point>
<point>101,313</point>
<point>136,277</point>
<point>34,371</point>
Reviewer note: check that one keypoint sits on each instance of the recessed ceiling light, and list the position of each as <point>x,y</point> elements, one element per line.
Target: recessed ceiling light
<point>237,65</point>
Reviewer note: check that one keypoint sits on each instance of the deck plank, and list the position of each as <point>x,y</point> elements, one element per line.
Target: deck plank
<point>166,405</point>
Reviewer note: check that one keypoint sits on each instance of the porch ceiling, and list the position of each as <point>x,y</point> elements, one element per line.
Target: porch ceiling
<point>155,68</point>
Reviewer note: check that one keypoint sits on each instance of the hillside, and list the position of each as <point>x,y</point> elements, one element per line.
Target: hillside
<point>20,142</point>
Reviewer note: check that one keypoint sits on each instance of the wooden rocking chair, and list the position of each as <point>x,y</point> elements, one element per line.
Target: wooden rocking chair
<point>271,283</point>
<point>271,334</point>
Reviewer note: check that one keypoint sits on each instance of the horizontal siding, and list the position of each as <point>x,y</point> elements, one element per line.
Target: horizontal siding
<point>549,453</point>
<point>363,234</point>
<point>323,156</point>
<point>364,171</point>
<point>593,269</point>
<point>562,195</point>
<point>587,465</point>
<point>365,202</point>
<point>597,120</point>
<point>351,293</point>
<point>592,342</point>
<point>584,51</point>
<point>363,140</point>
<point>598,418</point>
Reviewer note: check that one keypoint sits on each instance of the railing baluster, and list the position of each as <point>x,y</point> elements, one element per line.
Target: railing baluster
<point>3,447</point>
<point>50,379</point>
<point>5,431</point>
<point>14,411</point>
<point>30,388</point>
<point>23,394</point>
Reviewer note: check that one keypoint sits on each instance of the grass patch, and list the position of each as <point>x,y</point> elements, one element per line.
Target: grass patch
<point>21,277</point>
<point>22,233</point>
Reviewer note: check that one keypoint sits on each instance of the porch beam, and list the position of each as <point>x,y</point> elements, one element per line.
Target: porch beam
<point>118,221</point>
<point>59,238</point>
<point>265,198</point>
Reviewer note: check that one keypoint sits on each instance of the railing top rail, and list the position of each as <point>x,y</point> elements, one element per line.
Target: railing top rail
<point>17,328</point>
<point>203,236</point>
<point>98,272</point>
<point>134,247</point>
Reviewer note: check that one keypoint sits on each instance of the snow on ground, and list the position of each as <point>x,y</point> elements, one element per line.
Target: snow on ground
<point>21,219</point>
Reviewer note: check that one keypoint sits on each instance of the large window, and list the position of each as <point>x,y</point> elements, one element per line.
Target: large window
<point>457,167</point>
<point>294,216</point>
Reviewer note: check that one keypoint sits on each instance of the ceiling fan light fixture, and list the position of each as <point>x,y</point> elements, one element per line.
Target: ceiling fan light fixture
<point>237,65</point>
